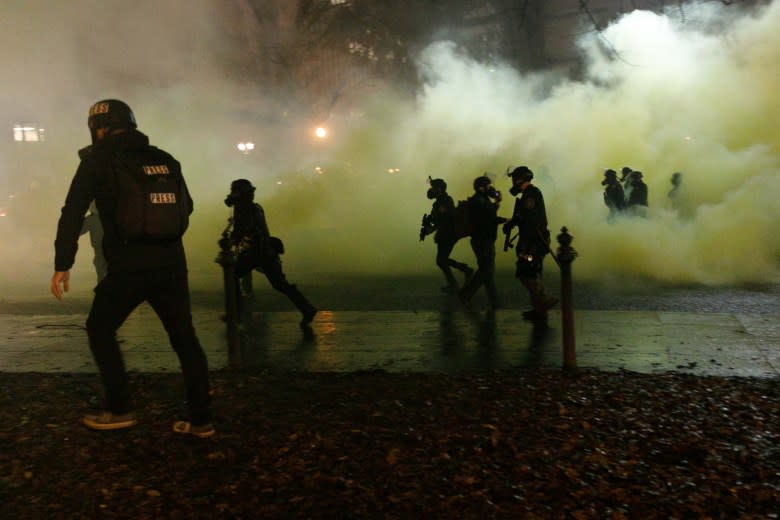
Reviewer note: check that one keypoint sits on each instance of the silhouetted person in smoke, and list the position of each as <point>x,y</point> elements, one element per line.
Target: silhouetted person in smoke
<point>441,220</point>
<point>483,211</point>
<point>144,208</point>
<point>257,250</point>
<point>93,226</point>
<point>614,197</point>
<point>625,180</point>
<point>533,241</point>
<point>674,193</point>
<point>637,198</point>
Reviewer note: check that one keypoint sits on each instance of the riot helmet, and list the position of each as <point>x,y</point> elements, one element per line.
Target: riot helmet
<point>625,171</point>
<point>438,187</point>
<point>482,181</point>
<point>110,113</point>
<point>519,175</point>
<point>485,182</point>
<point>240,190</point>
<point>610,176</point>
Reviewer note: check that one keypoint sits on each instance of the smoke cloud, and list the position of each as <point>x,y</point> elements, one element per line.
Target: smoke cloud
<point>694,94</point>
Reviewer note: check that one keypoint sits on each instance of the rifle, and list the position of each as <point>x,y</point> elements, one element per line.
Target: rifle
<point>509,240</point>
<point>224,242</point>
<point>426,227</point>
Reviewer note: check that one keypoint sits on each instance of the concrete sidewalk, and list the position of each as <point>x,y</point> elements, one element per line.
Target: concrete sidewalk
<point>426,341</point>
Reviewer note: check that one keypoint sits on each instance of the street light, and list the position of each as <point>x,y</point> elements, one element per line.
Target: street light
<point>245,148</point>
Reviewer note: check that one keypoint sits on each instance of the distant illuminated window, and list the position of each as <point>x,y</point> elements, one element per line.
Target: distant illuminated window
<point>338,2</point>
<point>29,133</point>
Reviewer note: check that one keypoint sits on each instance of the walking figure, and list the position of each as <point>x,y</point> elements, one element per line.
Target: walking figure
<point>142,244</point>
<point>257,250</point>
<point>533,242</point>
<point>441,221</point>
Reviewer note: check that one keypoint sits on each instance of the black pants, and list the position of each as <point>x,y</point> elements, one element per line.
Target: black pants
<point>271,266</point>
<point>485,251</point>
<point>444,248</point>
<point>530,260</point>
<point>167,291</point>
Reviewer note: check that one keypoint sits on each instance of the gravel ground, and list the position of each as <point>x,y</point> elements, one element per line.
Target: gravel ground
<point>510,444</point>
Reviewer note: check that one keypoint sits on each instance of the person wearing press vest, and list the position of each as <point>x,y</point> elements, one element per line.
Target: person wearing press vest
<point>144,208</point>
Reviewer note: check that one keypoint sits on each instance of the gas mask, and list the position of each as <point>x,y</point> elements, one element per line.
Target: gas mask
<point>237,199</point>
<point>241,190</point>
<point>433,193</point>
<point>493,193</point>
<point>514,190</point>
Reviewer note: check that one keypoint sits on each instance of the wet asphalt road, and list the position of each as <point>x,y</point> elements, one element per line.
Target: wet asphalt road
<point>357,292</point>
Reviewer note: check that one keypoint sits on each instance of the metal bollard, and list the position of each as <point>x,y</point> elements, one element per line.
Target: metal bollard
<point>227,260</point>
<point>566,255</point>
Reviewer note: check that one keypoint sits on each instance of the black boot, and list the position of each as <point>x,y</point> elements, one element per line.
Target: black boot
<point>299,300</point>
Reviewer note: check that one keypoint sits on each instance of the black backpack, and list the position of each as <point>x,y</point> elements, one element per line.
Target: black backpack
<point>462,219</point>
<point>152,201</point>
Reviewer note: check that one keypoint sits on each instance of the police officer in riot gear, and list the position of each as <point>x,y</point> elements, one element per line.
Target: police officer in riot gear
<point>441,220</point>
<point>138,270</point>
<point>674,193</point>
<point>257,249</point>
<point>483,209</point>
<point>637,198</point>
<point>625,180</point>
<point>614,197</point>
<point>533,241</point>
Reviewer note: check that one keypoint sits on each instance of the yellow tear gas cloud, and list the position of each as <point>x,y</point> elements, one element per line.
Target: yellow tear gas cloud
<point>698,97</point>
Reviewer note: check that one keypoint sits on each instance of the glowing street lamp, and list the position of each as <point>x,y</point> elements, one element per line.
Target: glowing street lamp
<point>245,148</point>
<point>321,132</point>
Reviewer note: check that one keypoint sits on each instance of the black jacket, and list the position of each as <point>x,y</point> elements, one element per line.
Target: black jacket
<point>485,219</point>
<point>614,197</point>
<point>250,228</point>
<point>638,196</point>
<point>95,179</point>
<point>443,213</point>
<point>530,217</point>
